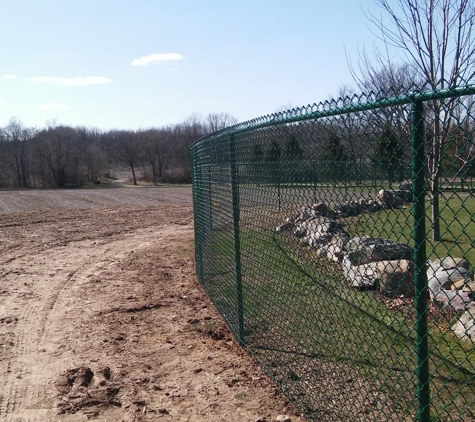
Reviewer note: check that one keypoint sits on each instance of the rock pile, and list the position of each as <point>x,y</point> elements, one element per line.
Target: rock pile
<point>386,199</point>
<point>316,227</point>
<point>369,262</point>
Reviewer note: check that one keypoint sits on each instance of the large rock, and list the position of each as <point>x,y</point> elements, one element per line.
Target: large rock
<point>334,249</point>
<point>450,283</point>
<point>440,284</point>
<point>319,238</point>
<point>347,209</point>
<point>398,202</point>
<point>404,195</point>
<point>316,210</point>
<point>456,300</point>
<point>374,206</point>
<point>464,328</point>
<point>334,253</point>
<point>432,266</point>
<point>304,215</point>
<point>340,239</point>
<point>395,198</point>
<point>318,230</point>
<point>386,197</point>
<point>322,209</point>
<point>450,262</point>
<point>288,224</point>
<point>396,278</point>
<point>322,252</point>
<point>313,225</point>
<point>330,251</point>
<point>442,279</point>
<point>366,249</point>
<point>360,276</point>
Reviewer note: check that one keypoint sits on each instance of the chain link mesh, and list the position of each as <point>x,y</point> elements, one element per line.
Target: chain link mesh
<point>336,240</point>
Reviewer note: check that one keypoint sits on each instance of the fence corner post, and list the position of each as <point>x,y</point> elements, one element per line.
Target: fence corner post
<point>420,274</point>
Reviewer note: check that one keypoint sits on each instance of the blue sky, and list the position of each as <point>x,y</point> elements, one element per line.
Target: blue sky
<point>147,63</point>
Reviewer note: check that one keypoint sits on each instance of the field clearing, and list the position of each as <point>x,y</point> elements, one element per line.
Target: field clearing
<point>102,318</point>
<point>42,200</point>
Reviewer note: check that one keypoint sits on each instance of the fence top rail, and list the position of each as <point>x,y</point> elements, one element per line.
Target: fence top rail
<point>332,108</point>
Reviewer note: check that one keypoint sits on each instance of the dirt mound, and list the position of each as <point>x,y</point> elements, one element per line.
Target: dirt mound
<point>81,388</point>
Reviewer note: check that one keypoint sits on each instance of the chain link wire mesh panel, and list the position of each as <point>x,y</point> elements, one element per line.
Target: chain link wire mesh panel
<point>336,240</point>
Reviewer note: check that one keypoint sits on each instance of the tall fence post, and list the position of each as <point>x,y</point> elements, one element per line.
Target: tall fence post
<point>237,236</point>
<point>314,175</point>
<point>420,277</point>
<point>197,185</point>
<point>278,184</point>
<point>210,197</point>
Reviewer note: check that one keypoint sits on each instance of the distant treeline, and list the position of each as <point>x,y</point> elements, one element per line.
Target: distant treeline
<point>65,156</point>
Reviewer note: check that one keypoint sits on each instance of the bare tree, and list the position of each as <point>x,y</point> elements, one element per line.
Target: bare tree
<point>185,134</point>
<point>58,150</point>
<point>17,138</point>
<point>153,144</point>
<point>437,39</point>
<point>95,161</point>
<point>128,151</point>
<point>464,117</point>
<point>218,121</point>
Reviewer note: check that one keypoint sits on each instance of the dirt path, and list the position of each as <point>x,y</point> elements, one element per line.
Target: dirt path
<point>101,316</point>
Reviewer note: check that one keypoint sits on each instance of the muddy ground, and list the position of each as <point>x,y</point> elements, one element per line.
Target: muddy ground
<point>102,318</point>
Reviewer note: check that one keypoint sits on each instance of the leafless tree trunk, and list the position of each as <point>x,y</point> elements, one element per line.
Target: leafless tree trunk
<point>17,138</point>
<point>436,37</point>
<point>58,149</point>
<point>127,150</point>
<point>218,121</point>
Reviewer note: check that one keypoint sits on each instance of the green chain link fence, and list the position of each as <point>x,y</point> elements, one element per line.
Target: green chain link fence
<point>337,242</point>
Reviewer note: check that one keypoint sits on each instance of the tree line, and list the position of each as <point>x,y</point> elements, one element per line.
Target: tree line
<point>65,156</point>
<point>367,145</point>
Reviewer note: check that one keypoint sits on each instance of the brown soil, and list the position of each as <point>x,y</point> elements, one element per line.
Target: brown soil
<point>102,318</point>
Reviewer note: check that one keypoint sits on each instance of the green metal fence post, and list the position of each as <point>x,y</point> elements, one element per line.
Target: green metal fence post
<point>197,186</point>
<point>237,234</point>
<point>278,184</point>
<point>314,175</point>
<point>419,237</point>
<point>210,198</point>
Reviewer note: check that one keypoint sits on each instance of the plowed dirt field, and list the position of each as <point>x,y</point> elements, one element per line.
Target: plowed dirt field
<point>102,318</point>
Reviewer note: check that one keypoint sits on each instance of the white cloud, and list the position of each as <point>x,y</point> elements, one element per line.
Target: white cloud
<point>5,77</point>
<point>53,106</point>
<point>78,81</point>
<point>144,61</point>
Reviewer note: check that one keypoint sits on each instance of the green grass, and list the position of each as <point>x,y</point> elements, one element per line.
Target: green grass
<point>457,223</point>
<point>299,314</point>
